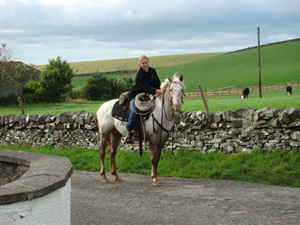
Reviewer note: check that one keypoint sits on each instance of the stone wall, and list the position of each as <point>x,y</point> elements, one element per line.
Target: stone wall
<point>227,132</point>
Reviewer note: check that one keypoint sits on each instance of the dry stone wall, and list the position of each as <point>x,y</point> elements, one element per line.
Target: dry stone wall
<point>226,132</point>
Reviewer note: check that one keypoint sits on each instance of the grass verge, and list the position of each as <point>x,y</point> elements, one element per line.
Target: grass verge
<point>272,168</point>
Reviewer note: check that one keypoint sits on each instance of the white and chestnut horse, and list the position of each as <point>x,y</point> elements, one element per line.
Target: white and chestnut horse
<point>156,128</point>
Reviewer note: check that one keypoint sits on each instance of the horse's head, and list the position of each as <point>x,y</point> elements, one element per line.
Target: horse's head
<point>174,88</point>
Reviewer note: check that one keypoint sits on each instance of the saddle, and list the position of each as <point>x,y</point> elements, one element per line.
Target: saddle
<point>121,109</point>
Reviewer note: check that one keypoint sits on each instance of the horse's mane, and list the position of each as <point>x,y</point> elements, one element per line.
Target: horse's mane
<point>166,83</point>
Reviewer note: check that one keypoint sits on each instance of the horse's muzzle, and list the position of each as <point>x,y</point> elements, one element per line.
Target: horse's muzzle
<point>177,106</point>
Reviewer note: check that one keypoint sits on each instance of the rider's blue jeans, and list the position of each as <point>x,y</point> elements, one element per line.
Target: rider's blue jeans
<point>132,116</point>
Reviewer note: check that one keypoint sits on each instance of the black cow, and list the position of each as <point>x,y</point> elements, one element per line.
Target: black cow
<point>288,90</point>
<point>246,92</point>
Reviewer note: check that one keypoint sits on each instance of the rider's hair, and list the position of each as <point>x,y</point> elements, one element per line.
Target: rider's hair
<point>140,59</point>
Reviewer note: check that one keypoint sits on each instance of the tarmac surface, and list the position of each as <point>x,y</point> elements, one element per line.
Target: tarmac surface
<point>179,201</point>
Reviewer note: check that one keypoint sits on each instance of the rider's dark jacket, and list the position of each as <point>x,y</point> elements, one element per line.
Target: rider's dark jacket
<point>145,82</point>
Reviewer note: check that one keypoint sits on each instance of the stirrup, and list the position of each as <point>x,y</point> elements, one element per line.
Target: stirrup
<point>128,138</point>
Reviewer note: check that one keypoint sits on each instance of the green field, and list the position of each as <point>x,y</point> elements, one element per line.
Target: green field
<point>279,64</point>
<point>270,99</point>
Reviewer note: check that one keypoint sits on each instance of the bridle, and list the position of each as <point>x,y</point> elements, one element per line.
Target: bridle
<point>163,113</point>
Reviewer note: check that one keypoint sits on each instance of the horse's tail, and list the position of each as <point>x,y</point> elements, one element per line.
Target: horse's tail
<point>108,144</point>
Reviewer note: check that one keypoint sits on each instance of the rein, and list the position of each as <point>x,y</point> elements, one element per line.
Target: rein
<point>162,127</point>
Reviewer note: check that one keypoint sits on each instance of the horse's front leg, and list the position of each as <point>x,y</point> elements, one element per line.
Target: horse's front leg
<point>102,168</point>
<point>155,157</point>
<point>116,138</point>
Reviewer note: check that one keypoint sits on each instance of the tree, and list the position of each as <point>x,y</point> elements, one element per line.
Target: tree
<point>7,68</point>
<point>13,74</point>
<point>56,79</point>
<point>7,53</point>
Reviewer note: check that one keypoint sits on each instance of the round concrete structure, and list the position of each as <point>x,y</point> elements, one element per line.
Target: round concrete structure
<point>42,195</point>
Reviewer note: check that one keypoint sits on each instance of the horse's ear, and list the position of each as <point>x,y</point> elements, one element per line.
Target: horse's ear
<point>169,78</point>
<point>181,78</point>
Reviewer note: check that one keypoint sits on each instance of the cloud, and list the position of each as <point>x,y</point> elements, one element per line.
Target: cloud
<point>80,30</point>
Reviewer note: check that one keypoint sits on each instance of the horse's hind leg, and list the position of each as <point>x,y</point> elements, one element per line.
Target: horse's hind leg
<point>102,149</point>
<point>116,138</point>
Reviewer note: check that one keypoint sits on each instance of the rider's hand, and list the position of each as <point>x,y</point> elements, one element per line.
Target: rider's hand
<point>160,91</point>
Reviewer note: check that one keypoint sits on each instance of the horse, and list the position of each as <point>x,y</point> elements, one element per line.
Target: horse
<point>156,128</point>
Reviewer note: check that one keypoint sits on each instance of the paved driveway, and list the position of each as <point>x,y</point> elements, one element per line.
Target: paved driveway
<point>180,201</point>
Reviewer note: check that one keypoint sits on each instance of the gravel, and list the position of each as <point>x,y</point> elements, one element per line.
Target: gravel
<point>180,201</point>
<point>10,172</point>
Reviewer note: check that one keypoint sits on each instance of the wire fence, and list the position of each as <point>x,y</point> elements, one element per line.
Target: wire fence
<point>238,90</point>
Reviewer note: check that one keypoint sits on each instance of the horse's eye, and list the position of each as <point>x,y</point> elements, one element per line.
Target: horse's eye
<point>171,90</point>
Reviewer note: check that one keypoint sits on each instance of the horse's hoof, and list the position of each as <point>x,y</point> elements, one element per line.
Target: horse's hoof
<point>156,182</point>
<point>118,179</point>
<point>105,181</point>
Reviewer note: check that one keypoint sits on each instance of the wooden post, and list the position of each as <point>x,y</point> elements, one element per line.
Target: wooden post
<point>21,105</point>
<point>259,69</point>
<point>203,98</point>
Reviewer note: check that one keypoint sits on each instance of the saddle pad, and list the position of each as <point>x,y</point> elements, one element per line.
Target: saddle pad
<point>120,113</point>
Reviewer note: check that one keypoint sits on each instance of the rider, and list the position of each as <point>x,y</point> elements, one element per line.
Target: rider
<point>147,81</point>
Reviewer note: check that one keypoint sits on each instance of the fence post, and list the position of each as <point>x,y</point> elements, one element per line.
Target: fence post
<point>21,105</point>
<point>203,98</point>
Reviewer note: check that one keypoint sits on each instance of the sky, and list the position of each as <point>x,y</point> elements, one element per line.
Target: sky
<point>88,30</point>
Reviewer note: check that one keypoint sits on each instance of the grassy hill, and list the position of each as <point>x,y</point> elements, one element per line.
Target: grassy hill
<point>279,63</point>
<point>131,64</point>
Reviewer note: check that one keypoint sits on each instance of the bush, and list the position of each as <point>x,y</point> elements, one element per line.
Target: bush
<point>77,95</point>
<point>96,87</point>
<point>31,86</point>
<point>101,87</point>
<point>43,95</point>
<point>119,85</point>
<point>31,98</point>
<point>9,100</point>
